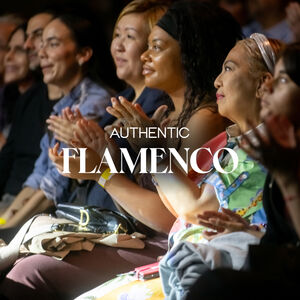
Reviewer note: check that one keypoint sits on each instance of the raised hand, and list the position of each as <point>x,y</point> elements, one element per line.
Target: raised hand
<point>115,126</point>
<point>71,116</point>
<point>92,160</point>
<point>62,129</point>
<point>90,135</point>
<point>132,115</point>
<point>64,126</point>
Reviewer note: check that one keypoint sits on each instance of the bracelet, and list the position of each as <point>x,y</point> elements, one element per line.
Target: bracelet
<point>105,176</point>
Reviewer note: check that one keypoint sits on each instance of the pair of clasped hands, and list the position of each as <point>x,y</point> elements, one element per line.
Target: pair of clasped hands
<point>277,149</point>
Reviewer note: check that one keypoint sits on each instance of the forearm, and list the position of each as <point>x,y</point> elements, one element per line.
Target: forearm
<point>144,205</point>
<point>24,212</point>
<point>183,195</point>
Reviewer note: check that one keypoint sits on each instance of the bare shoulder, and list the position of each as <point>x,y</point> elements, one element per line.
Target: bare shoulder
<point>206,119</point>
<point>203,126</point>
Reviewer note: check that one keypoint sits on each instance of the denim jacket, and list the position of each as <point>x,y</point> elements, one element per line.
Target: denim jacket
<point>92,100</point>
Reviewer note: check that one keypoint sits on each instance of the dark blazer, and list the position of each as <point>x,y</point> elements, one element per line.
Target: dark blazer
<point>22,148</point>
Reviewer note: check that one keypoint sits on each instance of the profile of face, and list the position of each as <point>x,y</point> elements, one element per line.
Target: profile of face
<point>162,62</point>
<point>34,33</point>
<point>16,61</point>
<point>5,30</point>
<point>129,42</point>
<point>236,85</point>
<point>60,58</point>
<point>282,95</point>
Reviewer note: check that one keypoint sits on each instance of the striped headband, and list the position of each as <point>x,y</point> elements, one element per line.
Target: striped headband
<point>265,49</point>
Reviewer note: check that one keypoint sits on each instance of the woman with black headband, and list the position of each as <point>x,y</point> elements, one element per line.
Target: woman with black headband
<point>183,67</point>
<point>199,58</point>
<point>239,92</point>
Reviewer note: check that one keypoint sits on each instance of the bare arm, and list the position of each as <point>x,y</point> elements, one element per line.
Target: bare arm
<point>30,202</point>
<point>24,195</point>
<point>141,203</point>
<point>177,190</point>
<point>185,197</point>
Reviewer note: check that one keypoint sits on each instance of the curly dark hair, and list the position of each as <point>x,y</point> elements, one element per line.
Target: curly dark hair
<point>206,33</point>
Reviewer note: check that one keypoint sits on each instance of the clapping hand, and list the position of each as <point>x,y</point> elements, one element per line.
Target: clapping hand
<point>92,161</point>
<point>132,115</point>
<point>90,135</point>
<point>64,126</point>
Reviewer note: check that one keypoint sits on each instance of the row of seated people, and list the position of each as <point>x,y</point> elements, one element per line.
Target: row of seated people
<point>177,78</point>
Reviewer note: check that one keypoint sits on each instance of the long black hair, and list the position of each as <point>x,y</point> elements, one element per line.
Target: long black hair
<point>206,33</point>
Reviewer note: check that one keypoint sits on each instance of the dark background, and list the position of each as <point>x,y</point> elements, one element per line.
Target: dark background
<point>106,10</point>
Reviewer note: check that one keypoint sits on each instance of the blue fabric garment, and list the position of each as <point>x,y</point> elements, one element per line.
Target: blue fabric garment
<point>185,263</point>
<point>150,100</point>
<point>91,99</point>
<point>280,31</point>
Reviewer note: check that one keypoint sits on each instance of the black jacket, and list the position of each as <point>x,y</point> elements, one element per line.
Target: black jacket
<point>23,144</point>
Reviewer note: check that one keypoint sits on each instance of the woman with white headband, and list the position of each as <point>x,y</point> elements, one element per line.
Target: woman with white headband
<point>239,91</point>
<point>274,264</point>
<point>193,250</point>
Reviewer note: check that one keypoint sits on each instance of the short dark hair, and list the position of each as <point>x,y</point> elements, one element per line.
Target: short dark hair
<point>83,34</point>
<point>206,33</point>
<point>87,32</point>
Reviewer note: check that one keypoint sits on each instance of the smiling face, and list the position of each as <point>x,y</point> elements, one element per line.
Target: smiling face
<point>162,62</point>
<point>282,96</point>
<point>34,33</point>
<point>129,42</point>
<point>59,56</point>
<point>16,62</point>
<point>237,87</point>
